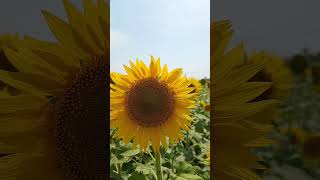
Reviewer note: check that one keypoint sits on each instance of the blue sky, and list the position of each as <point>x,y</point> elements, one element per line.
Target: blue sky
<point>177,31</point>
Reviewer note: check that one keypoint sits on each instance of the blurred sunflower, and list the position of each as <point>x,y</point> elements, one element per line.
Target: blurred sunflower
<point>223,32</point>
<point>310,142</point>
<point>205,106</point>
<point>274,70</point>
<point>58,124</point>
<point>233,135</point>
<point>295,134</point>
<point>195,84</point>
<point>7,41</point>
<point>202,104</point>
<point>86,34</point>
<point>148,104</point>
<point>208,156</point>
<point>311,147</point>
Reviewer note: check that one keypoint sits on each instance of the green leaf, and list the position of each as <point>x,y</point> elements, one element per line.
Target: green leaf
<point>143,169</point>
<point>114,160</point>
<point>137,176</point>
<point>189,176</point>
<point>184,167</point>
<point>131,153</point>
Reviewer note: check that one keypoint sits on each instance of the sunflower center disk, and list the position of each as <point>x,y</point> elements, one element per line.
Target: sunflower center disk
<point>150,103</point>
<point>81,126</point>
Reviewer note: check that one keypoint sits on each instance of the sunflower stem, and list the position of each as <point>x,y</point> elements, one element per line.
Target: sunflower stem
<point>141,157</point>
<point>187,141</point>
<point>158,165</point>
<point>151,156</point>
<point>172,164</point>
<point>119,169</point>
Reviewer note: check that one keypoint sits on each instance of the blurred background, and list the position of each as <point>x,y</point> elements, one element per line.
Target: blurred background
<point>289,29</point>
<point>25,17</point>
<point>177,32</point>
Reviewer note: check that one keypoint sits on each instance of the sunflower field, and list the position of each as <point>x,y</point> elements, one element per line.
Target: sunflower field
<point>296,127</point>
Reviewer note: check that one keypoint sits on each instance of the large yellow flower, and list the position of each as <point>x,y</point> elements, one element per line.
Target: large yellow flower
<point>57,129</point>
<point>231,96</point>
<point>148,104</point>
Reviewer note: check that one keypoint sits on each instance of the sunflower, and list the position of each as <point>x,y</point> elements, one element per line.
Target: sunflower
<point>202,104</point>
<point>195,84</point>
<point>231,102</point>
<point>296,135</point>
<point>311,147</point>
<point>148,104</point>
<point>310,142</point>
<point>274,70</point>
<point>87,34</point>
<point>207,108</point>
<point>208,155</point>
<point>223,33</point>
<point>7,41</point>
<point>56,129</point>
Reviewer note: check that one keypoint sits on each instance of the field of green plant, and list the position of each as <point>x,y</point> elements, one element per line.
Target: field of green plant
<point>183,161</point>
<point>298,120</point>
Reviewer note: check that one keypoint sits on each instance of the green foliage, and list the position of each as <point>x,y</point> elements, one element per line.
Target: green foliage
<point>182,161</point>
<point>301,110</point>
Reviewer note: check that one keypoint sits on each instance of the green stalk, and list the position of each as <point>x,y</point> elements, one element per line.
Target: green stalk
<point>172,164</point>
<point>141,154</point>
<point>158,165</point>
<point>119,169</point>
